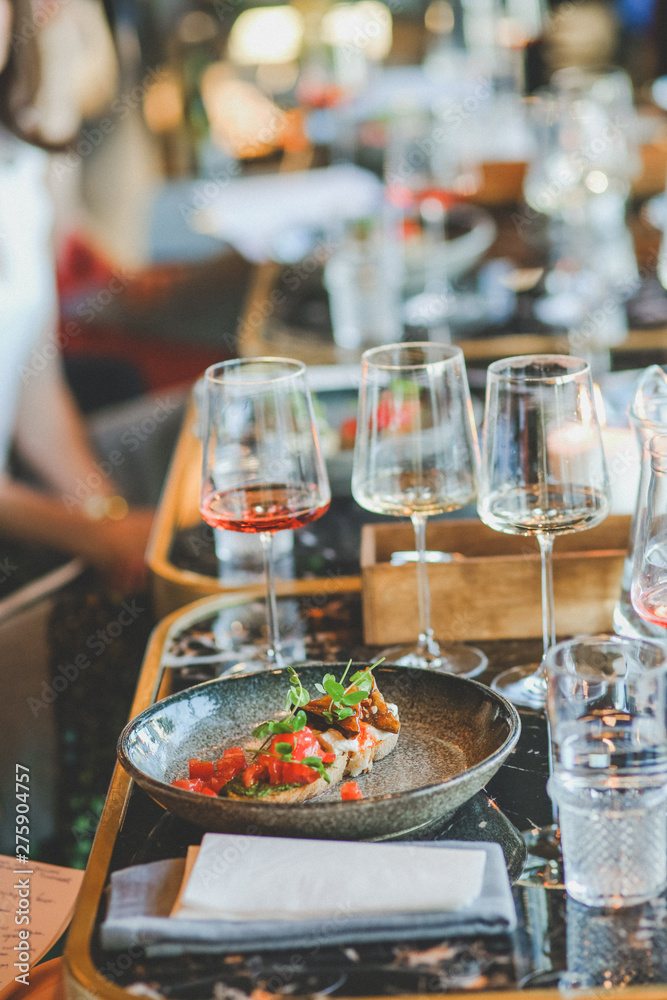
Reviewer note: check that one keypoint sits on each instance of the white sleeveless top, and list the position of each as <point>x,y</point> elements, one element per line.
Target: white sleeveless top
<point>28,299</point>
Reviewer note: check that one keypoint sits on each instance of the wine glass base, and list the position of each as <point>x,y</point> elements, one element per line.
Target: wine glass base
<point>523,685</point>
<point>240,635</point>
<point>544,860</point>
<point>464,661</point>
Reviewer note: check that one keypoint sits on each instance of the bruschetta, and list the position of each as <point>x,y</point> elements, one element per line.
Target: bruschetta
<point>342,733</point>
<point>318,743</point>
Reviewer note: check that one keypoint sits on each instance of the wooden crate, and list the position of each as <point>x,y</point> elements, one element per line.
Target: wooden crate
<point>492,589</point>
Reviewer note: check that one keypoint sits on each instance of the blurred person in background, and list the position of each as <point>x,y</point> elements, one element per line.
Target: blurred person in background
<point>69,660</point>
<point>39,418</point>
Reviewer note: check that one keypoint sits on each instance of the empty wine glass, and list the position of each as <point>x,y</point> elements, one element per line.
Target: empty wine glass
<point>263,470</point>
<point>543,473</point>
<point>416,456</point>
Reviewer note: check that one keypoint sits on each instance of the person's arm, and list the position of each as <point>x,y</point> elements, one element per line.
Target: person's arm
<point>115,547</point>
<point>50,436</point>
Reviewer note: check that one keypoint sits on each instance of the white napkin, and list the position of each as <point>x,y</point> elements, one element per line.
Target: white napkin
<point>277,878</point>
<point>143,897</point>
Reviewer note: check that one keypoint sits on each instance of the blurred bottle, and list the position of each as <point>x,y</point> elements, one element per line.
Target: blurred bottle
<point>648,416</point>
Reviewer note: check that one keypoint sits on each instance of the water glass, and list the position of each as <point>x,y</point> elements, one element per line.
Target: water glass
<point>606,705</point>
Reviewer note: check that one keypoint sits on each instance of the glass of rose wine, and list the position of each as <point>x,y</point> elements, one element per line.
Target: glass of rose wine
<point>543,474</point>
<point>263,469</point>
<point>649,573</point>
<point>416,456</point>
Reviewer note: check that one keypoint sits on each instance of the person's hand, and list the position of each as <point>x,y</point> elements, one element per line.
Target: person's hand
<point>118,549</point>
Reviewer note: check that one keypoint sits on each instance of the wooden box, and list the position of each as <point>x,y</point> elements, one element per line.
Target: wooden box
<point>491,590</point>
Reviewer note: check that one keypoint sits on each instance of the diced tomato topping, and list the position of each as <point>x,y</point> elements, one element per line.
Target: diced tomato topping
<point>233,755</point>
<point>254,772</point>
<point>201,769</point>
<point>297,774</point>
<point>350,790</point>
<point>230,764</point>
<point>303,744</point>
<point>191,784</point>
<point>275,768</point>
<point>226,773</point>
<point>209,777</point>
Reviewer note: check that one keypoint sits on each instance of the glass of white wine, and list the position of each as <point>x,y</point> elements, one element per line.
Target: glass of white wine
<point>416,455</point>
<point>543,473</point>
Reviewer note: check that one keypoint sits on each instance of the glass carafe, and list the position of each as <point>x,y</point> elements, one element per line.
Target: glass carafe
<point>648,417</point>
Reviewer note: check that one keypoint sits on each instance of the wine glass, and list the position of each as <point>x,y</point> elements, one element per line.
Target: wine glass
<point>543,473</point>
<point>263,470</point>
<point>416,455</point>
<point>649,574</point>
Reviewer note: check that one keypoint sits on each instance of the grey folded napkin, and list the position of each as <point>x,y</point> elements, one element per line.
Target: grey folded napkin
<point>143,897</point>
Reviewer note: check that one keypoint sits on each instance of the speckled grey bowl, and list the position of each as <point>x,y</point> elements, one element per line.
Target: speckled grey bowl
<point>455,734</point>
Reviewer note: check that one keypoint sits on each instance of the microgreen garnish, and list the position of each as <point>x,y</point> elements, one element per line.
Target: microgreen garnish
<point>317,765</point>
<point>296,720</point>
<point>343,702</point>
<point>345,699</point>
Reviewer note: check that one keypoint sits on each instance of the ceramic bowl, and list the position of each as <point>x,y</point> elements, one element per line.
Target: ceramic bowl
<point>455,734</point>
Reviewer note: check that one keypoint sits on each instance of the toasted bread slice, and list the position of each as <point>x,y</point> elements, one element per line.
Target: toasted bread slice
<point>360,758</point>
<point>299,793</point>
<point>385,746</point>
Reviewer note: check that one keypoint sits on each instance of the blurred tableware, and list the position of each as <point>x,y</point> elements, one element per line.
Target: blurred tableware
<point>240,558</point>
<point>543,474</point>
<point>363,276</point>
<point>263,470</point>
<point>416,456</point>
<point>435,770</point>
<point>431,167</point>
<point>647,415</point>
<point>585,127</point>
<point>607,702</point>
<point>580,176</point>
<point>649,574</point>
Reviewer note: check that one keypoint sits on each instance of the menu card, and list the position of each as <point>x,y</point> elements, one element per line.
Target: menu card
<point>36,905</point>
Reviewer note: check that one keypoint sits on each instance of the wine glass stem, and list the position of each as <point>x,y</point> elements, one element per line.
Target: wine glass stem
<point>548,618</point>
<point>426,640</point>
<point>548,630</point>
<point>273,630</point>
